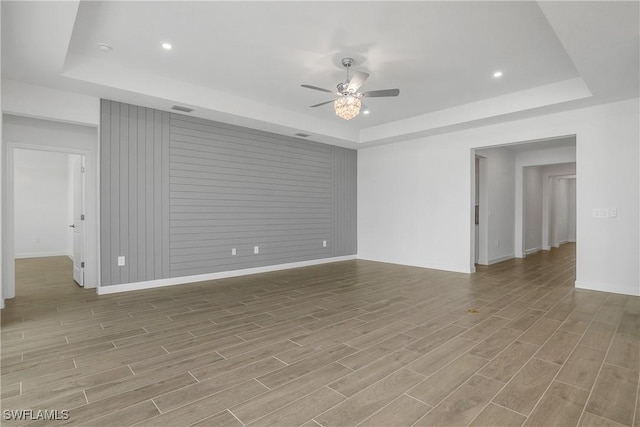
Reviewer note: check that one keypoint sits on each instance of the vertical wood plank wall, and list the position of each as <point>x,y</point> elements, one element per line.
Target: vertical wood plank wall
<point>134,193</point>
<point>179,192</point>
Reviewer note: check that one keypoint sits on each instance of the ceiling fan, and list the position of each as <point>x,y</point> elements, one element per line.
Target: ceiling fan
<point>347,104</point>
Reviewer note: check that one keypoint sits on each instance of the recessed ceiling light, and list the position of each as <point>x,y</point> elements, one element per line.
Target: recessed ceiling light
<point>497,74</point>
<point>365,112</point>
<point>104,47</point>
<point>167,46</point>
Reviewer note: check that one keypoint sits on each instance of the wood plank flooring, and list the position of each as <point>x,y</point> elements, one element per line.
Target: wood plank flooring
<point>344,344</point>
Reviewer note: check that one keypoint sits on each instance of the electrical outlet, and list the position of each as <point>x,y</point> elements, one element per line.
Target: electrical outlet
<point>324,243</point>
<point>498,243</point>
<point>121,261</point>
<point>256,249</point>
<point>233,251</point>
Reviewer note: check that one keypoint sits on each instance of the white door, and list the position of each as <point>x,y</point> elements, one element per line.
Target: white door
<point>78,219</point>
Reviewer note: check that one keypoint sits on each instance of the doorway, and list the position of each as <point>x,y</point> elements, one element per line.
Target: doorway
<point>513,190</point>
<point>480,214</point>
<point>28,133</point>
<point>86,252</point>
<point>48,208</point>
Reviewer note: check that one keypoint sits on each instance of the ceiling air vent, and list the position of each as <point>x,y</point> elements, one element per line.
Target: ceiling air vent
<point>302,135</point>
<point>181,108</point>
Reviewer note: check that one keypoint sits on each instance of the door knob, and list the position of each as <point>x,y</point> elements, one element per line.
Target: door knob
<point>72,226</point>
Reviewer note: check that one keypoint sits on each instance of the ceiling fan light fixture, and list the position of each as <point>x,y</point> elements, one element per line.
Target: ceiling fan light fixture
<point>347,106</point>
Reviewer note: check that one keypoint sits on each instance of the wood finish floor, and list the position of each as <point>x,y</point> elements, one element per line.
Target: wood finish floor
<point>344,344</point>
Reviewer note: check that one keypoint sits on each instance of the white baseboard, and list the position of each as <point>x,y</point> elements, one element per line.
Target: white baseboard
<point>500,259</point>
<point>149,284</point>
<point>532,251</point>
<point>40,254</point>
<point>614,288</point>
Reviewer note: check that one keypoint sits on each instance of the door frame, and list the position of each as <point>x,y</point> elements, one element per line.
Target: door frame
<point>90,238</point>
<point>78,171</point>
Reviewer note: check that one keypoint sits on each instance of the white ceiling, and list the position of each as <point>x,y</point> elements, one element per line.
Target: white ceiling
<point>243,62</point>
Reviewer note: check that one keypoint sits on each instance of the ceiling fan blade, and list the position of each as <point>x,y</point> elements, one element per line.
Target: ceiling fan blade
<point>322,103</point>
<point>381,93</point>
<point>317,88</point>
<point>357,80</point>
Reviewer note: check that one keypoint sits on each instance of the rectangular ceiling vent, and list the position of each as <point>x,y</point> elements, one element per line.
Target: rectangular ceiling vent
<point>302,135</point>
<point>181,108</point>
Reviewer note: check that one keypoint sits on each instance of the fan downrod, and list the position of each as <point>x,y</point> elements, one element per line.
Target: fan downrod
<point>347,62</point>
<point>343,88</point>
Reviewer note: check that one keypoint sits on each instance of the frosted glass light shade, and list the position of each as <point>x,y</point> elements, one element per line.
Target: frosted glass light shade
<point>347,107</point>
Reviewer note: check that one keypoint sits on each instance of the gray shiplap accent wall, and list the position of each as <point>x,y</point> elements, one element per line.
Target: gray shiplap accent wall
<point>134,193</point>
<point>204,187</point>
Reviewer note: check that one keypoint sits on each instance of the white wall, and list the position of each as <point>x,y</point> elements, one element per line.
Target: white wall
<point>561,212</point>
<point>571,228</point>
<point>482,232</point>
<point>414,196</point>
<point>532,211</point>
<point>409,195</point>
<point>2,181</point>
<point>41,203</point>
<point>500,195</point>
<point>23,99</point>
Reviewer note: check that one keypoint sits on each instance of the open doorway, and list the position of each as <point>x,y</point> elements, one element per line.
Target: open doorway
<point>480,214</point>
<point>524,193</point>
<point>549,206</point>
<point>50,138</point>
<point>48,211</point>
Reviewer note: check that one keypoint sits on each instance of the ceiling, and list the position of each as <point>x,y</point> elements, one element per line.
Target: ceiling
<point>243,62</point>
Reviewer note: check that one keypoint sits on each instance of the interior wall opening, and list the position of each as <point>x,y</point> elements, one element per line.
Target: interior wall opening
<point>525,196</point>
<point>48,194</point>
<point>52,140</point>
